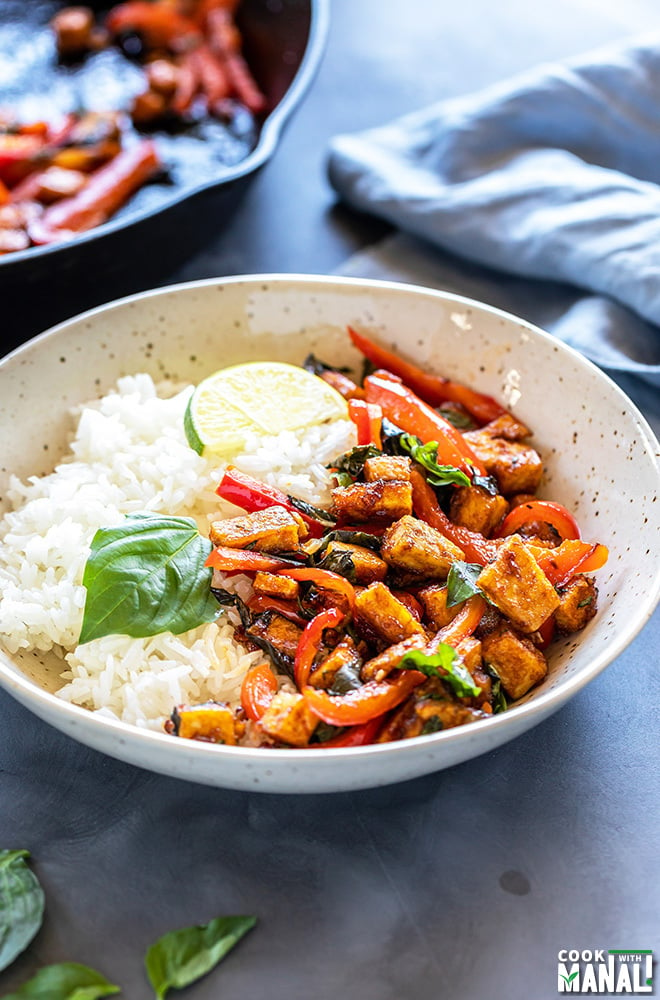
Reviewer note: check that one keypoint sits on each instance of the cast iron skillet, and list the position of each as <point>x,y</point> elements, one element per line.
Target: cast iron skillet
<point>208,164</point>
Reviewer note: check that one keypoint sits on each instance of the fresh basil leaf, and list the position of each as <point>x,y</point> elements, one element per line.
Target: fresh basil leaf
<point>315,366</point>
<point>461,421</point>
<point>283,663</point>
<point>147,576</point>
<point>181,957</point>
<point>66,981</point>
<point>462,582</point>
<point>346,679</point>
<point>343,479</point>
<point>498,698</point>
<point>340,563</point>
<point>351,463</point>
<point>226,599</point>
<point>311,511</point>
<point>390,436</point>
<point>426,455</point>
<point>324,732</point>
<point>21,905</point>
<point>361,538</point>
<point>446,664</point>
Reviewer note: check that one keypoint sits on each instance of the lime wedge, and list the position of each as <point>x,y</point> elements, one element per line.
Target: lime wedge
<point>262,397</point>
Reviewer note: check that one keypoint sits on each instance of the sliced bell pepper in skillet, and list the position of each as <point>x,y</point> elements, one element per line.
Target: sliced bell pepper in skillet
<point>400,405</point>
<point>433,389</point>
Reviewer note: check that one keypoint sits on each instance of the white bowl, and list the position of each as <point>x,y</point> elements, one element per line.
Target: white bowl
<point>599,453</point>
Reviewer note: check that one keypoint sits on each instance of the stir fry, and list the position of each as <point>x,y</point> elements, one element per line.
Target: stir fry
<point>422,599</point>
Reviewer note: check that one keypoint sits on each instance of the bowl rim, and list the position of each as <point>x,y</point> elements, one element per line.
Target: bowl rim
<point>271,129</point>
<point>542,705</point>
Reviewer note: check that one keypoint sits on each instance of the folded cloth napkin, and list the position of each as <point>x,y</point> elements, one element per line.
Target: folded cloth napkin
<point>553,175</point>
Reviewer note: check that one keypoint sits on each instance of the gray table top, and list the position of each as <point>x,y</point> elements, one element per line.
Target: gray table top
<point>464,884</point>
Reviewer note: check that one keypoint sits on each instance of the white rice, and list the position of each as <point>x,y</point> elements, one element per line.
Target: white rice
<point>129,453</point>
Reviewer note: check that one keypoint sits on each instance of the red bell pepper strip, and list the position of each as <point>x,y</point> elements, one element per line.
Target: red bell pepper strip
<point>310,641</point>
<point>357,736</point>
<point>400,405</point>
<point>368,418</point>
<point>547,511</point>
<point>477,549</point>
<point>365,703</point>
<point>325,579</point>
<point>410,601</point>
<point>225,42</point>
<point>106,190</point>
<point>547,632</point>
<point>433,389</point>
<point>462,626</point>
<point>244,561</point>
<point>571,557</point>
<point>251,495</point>
<point>257,690</point>
<point>264,602</point>
<point>345,386</point>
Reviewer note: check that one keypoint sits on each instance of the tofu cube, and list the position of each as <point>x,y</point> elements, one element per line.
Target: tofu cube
<point>384,663</point>
<point>577,604</point>
<point>387,467</point>
<point>211,722</point>
<point>385,614</point>
<point>475,508</point>
<point>385,500</point>
<point>276,586</point>
<point>518,587</point>
<point>368,566</point>
<point>343,655</point>
<point>289,720</point>
<point>517,662</point>
<point>434,600</point>
<point>274,529</point>
<point>415,547</point>
<point>517,467</point>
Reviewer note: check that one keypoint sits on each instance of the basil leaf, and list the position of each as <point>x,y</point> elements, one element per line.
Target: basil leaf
<point>462,421</point>
<point>181,957</point>
<point>426,455</point>
<point>351,463</point>
<point>147,576</point>
<point>21,905</point>
<point>445,664</point>
<point>66,981</point>
<point>362,538</point>
<point>462,582</point>
<point>346,679</point>
<point>314,512</point>
<point>340,563</point>
<point>488,483</point>
<point>498,698</point>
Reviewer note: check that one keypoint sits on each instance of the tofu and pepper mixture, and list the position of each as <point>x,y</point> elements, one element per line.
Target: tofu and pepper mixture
<point>425,596</point>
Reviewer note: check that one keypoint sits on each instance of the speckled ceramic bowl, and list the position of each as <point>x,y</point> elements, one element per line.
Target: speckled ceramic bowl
<point>600,456</point>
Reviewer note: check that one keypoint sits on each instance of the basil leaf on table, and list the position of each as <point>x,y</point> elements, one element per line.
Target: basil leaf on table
<point>426,455</point>
<point>66,981</point>
<point>446,664</point>
<point>147,576</point>
<point>21,905</point>
<point>180,957</point>
<point>462,582</point>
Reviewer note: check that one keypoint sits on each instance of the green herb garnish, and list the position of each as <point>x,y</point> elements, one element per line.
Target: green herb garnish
<point>147,576</point>
<point>181,957</point>
<point>446,664</point>
<point>426,455</point>
<point>462,582</point>
<point>65,981</point>
<point>348,467</point>
<point>21,905</point>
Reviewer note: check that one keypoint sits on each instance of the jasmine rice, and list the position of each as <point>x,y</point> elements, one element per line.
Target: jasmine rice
<point>129,453</point>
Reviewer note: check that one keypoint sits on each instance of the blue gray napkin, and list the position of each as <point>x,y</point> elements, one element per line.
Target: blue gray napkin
<point>554,175</point>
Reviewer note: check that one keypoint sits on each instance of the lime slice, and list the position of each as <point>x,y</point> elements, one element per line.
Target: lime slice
<point>263,397</point>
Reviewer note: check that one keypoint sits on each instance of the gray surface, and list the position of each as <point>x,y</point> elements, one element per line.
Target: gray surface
<point>397,893</point>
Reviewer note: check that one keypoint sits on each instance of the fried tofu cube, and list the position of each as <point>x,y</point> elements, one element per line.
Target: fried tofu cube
<point>428,710</point>
<point>469,650</point>
<point>368,566</point>
<point>415,547</point>
<point>385,615</point>
<point>577,604</point>
<point>506,426</point>
<point>212,722</point>
<point>289,720</point>
<point>345,654</point>
<point>515,659</point>
<point>277,630</point>
<point>274,529</point>
<point>384,663</point>
<point>475,508</point>
<point>387,467</point>
<point>517,467</point>
<point>434,600</point>
<point>518,587</point>
<point>385,500</point>
<point>276,586</point>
